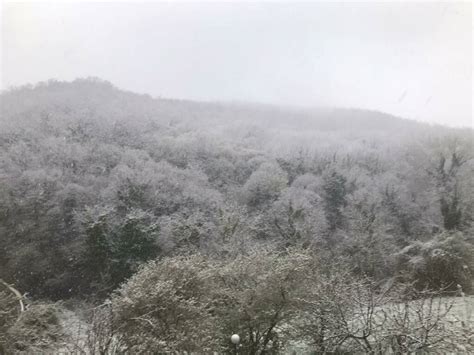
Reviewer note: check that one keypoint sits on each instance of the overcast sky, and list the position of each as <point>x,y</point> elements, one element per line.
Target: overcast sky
<point>411,60</point>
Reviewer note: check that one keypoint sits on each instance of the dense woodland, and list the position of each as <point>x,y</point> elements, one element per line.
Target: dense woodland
<point>238,217</point>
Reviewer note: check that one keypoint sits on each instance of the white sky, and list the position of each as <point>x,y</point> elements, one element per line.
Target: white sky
<point>409,59</point>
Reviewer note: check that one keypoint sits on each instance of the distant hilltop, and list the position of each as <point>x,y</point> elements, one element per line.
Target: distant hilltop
<point>97,96</point>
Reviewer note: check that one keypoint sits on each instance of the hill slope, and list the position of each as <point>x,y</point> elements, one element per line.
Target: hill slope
<point>82,95</point>
<point>95,181</point>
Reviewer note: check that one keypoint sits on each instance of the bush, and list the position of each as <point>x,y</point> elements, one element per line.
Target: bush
<point>272,300</point>
<point>165,307</point>
<point>194,304</point>
<point>255,295</point>
<point>36,329</point>
<point>9,311</point>
<point>446,261</point>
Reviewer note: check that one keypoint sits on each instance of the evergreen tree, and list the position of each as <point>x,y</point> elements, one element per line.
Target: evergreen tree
<point>334,187</point>
<point>134,242</point>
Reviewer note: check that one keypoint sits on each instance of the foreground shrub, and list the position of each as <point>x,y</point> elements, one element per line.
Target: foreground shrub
<point>343,314</point>
<point>8,314</point>
<point>272,300</point>
<point>193,304</point>
<point>446,261</point>
<point>166,307</point>
<point>35,329</point>
<point>254,297</point>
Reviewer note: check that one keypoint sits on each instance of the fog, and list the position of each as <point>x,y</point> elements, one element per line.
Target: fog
<point>236,177</point>
<point>410,60</point>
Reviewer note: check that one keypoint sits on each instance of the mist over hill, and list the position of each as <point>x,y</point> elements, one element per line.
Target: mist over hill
<point>86,94</point>
<point>99,103</point>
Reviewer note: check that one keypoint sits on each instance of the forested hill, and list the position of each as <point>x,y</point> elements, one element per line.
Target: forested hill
<point>94,181</point>
<point>94,96</point>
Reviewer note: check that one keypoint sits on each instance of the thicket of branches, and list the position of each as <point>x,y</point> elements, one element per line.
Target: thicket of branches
<point>274,301</point>
<point>32,328</point>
